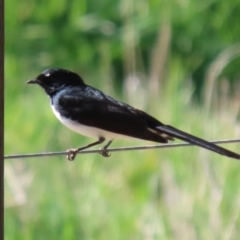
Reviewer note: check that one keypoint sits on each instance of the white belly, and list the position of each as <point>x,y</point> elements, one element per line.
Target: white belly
<point>87,130</point>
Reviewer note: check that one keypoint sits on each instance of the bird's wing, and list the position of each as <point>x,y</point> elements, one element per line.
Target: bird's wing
<point>93,108</point>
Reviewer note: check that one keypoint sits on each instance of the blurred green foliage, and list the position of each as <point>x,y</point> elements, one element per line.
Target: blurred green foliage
<point>157,55</point>
<point>81,36</point>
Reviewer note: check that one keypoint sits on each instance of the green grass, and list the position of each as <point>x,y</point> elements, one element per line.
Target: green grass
<point>185,193</point>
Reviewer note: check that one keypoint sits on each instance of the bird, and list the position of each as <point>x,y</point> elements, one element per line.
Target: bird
<point>88,111</point>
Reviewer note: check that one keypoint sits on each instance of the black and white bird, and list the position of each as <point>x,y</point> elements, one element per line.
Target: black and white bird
<point>90,112</point>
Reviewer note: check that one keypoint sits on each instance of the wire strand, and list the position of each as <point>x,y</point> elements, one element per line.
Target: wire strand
<point>50,154</point>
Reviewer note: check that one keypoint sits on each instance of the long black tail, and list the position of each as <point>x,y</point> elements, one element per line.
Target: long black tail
<point>197,141</point>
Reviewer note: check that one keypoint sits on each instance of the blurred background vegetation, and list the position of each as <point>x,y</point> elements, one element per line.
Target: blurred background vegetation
<point>179,60</point>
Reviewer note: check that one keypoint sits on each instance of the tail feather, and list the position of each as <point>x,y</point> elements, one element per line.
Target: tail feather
<point>196,141</point>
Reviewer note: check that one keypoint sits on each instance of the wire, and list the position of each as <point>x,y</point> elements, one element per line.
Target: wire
<point>50,154</point>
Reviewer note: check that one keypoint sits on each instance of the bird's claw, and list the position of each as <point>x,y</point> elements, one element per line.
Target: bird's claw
<point>104,152</point>
<point>71,154</point>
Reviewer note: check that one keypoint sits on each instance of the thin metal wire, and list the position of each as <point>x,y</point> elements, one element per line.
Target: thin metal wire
<point>50,154</point>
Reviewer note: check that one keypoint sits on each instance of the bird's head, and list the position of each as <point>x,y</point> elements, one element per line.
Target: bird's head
<point>55,79</point>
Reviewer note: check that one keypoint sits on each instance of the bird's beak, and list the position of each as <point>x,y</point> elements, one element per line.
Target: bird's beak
<point>34,81</point>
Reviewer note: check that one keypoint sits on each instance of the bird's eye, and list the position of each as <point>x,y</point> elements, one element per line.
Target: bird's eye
<point>47,75</point>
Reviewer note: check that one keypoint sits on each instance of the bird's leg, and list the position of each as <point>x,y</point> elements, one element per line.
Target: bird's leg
<point>104,152</point>
<point>73,152</point>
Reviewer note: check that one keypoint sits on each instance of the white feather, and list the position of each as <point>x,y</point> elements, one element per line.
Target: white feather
<point>86,130</point>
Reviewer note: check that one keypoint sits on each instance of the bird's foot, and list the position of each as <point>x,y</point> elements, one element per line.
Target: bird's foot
<point>71,154</point>
<point>104,152</point>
